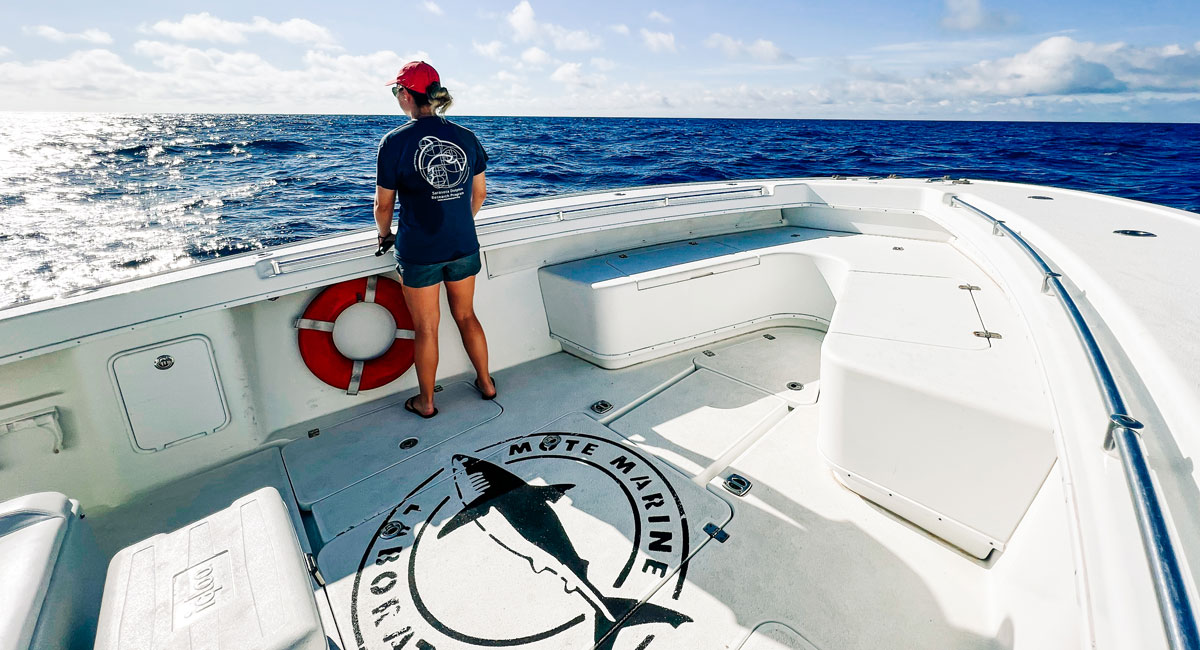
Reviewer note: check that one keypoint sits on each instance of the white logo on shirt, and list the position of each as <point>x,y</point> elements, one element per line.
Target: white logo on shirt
<point>442,164</point>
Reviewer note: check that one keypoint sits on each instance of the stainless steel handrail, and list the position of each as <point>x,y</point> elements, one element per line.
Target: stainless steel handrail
<point>1179,618</point>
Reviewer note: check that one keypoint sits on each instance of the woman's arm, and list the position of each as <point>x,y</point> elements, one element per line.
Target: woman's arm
<point>478,194</point>
<point>385,205</point>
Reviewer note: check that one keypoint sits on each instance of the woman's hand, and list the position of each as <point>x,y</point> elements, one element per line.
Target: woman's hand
<point>385,243</point>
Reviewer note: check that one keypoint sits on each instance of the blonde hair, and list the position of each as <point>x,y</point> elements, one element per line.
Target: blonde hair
<point>436,96</point>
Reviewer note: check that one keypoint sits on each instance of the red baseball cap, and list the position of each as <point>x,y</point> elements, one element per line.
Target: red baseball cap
<point>416,76</point>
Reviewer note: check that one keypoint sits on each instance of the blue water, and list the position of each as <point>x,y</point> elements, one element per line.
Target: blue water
<point>94,198</point>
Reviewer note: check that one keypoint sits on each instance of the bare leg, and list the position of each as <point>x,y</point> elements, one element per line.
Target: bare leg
<point>426,313</point>
<point>461,295</point>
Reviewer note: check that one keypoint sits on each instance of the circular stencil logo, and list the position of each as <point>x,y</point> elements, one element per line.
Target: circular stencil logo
<point>442,164</point>
<point>551,540</point>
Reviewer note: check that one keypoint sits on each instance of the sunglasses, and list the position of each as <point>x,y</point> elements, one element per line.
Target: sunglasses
<point>396,90</point>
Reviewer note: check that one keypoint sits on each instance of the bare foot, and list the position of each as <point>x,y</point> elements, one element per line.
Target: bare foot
<point>414,405</point>
<point>486,387</point>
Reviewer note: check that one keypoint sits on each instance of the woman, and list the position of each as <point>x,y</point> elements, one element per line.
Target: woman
<point>434,169</point>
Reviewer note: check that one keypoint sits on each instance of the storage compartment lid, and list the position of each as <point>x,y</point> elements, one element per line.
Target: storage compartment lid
<point>909,308</point>
<point>235,579</point>
<point>170,392</point>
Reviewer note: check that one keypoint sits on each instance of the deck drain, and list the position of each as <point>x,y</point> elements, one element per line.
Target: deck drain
<point>737,484</point>
<point>1039,197</point>
<point>408,443</point>
<point>769,337</point>
<point>437,388</point>
<point>391,529</point>
<point>897,248</point>
<point>795,385</point>
<point>601,406</point>
<point>1134,233</point>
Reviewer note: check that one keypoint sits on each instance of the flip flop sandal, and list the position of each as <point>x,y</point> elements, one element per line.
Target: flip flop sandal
<point>408,406</point>
<point>493,395</point>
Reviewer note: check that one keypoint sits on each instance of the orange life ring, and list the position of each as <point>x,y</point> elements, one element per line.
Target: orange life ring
<point>318,340</point>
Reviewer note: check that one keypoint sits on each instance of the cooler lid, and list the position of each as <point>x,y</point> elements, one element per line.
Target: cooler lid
<point>236,579</point>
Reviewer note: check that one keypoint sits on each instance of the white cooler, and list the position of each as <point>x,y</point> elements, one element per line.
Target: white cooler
<point>235,580</point>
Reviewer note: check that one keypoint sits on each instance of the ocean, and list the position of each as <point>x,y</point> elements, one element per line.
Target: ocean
<point>88,199</point>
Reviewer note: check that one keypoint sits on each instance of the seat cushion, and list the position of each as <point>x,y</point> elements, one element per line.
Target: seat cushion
<point>32,529</point>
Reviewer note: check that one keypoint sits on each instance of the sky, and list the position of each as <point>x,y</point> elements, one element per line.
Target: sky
<point>1101,60</point>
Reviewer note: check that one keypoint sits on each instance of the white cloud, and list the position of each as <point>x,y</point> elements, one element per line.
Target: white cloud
<point>658,41</point>
<point>179,77</point>
<point>760,50</point>
<point>623,29</point>
<point>88,35</point>
<point>658,16</point>
<point>535,56</point>
<point>1058,69</point>
<point>971,16</point>
<point>432,7</point>
<point>526,28</point>
<point>206,27</point>
<point>4,51</point>
<point>491,49</point>
<point>573,40</point>
<point>567,73</point>
<point>1058,78</point>
<point>572,75</point>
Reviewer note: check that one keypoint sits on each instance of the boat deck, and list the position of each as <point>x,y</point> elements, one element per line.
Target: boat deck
<point>804,562</point>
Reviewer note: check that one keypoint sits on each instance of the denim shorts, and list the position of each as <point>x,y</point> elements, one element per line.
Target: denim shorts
<point>427,275</point>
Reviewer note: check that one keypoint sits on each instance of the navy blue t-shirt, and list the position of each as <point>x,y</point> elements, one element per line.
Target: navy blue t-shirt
<point>431,162</point>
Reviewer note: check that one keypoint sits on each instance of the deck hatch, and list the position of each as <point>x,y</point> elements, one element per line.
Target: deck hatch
<point>169,392</point>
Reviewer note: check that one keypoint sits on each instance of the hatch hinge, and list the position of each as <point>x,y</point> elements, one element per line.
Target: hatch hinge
<point>716,532</point>
<point>984,334</point>
<point>313,570</point>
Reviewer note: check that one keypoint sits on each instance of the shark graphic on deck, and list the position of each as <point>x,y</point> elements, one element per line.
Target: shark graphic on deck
<point>518,517</point>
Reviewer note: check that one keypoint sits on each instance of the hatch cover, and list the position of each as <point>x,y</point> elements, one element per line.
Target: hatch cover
<point>546,540</point>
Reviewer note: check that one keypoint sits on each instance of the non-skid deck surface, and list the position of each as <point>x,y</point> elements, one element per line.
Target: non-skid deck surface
<point>838,571</point>
<point>547,539</point>
<point>347,453</point>
<point>410,557</point>
<point>775,636</point>
<point>785,362</point>
<point>695,422</point>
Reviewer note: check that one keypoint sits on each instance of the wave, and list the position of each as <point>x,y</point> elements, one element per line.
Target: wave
<point>218,185</point>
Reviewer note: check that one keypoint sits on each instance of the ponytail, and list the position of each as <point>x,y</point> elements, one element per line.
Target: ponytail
<point>439,97</point>
<point>435,95</point>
